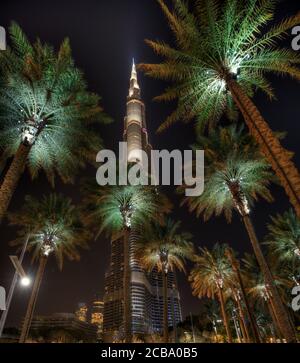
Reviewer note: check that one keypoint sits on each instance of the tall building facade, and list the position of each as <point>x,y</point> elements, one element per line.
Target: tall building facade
<point>146,288</point>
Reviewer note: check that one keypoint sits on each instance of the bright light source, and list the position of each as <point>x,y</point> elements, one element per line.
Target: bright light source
<point>297,252</point>
<point>25,281</point>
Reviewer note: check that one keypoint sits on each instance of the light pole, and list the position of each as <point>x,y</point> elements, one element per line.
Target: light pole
<point>192,327</point>
<point>235,266</point>
<point>2,38</point>
<point>236,325</point>
<point>25,282</point>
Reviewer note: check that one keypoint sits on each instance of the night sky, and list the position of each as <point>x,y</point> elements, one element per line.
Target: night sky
<point>105,35</point>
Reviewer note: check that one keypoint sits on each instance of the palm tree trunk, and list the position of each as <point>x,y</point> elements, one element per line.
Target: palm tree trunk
<point>278,157</point>
<point>165,296</point>
<point>224,314</point>
<point>32,300</point>
<point>3,163</point>
<point>127,288</point>
<point>279,309</point>
<point>12,178</point>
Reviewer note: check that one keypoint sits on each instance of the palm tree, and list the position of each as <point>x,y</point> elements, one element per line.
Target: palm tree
<point>212,314</point>
<point>238,315</point>
<point>121,209</point>
<point>236,175</point>
<point>221,54</point>
<point>286,277</point>
<point>283,239</point>
<point>260,291</point>
<point>53,225</point>
<point>212,275</point>
<point>165,247</point>
<point>264,322</point>
<point>46,113</point>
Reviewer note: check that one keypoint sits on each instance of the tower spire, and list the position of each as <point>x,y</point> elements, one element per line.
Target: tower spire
<point>134,90</point>
<point>133,70</point>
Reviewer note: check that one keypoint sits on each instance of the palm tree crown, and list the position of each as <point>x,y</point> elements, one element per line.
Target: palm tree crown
<point>118,207</point>
<point>284,237</point>
<point>212,271</point>
<point>52,225</point>
<point>163,246</point>
<point>45,104</point>
<point>257,288</point>
<point>235,173</point>
<point>215,42</point>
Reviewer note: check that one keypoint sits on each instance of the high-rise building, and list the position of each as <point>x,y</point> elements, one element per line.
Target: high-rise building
<point>97,311</point>
<point>135,129</point>
<point>97,315</point>
<point>81,312</point>
<point>146,288</point>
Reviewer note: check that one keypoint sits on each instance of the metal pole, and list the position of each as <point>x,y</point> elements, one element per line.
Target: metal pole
<point>237,329</point>
<point>12,289</point>
<point>192,328</point>
<point>215,329</point>
<point>253,324</point>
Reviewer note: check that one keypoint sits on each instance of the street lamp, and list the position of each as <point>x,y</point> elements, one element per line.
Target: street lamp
<point>25,281</point>
<point>18,272</point>
<point>2,38</point>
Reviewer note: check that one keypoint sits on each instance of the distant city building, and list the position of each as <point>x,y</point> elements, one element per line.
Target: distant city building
<point>81,312</point>
<point>62,328</point>
<point>146,289</point>
<point>97,311</point>
<point>97,315</point>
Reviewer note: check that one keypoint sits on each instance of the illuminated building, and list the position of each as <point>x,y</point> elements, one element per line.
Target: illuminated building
<point>146,288</point>
<point>81,312</point>
<point>97,315</point>
<point>63,328</point>
<point>135,130</point>
<point>97,311</point>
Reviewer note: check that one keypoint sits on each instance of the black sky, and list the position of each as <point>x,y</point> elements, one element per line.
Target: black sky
<point>105,35</point>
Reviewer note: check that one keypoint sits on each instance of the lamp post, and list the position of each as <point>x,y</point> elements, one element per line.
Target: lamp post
<point>24,281</point>
<point>215,329</point>
<point>235,266</point>
<point>2,48</point>
<point>236,325</point>
<point>192,323</point>
<point>2,38</point>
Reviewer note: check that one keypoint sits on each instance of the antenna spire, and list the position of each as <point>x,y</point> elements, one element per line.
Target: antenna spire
<point>134,89</point>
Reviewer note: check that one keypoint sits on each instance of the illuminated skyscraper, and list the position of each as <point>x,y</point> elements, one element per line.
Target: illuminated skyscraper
<point>146,289</point>
<point>135,130</point>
